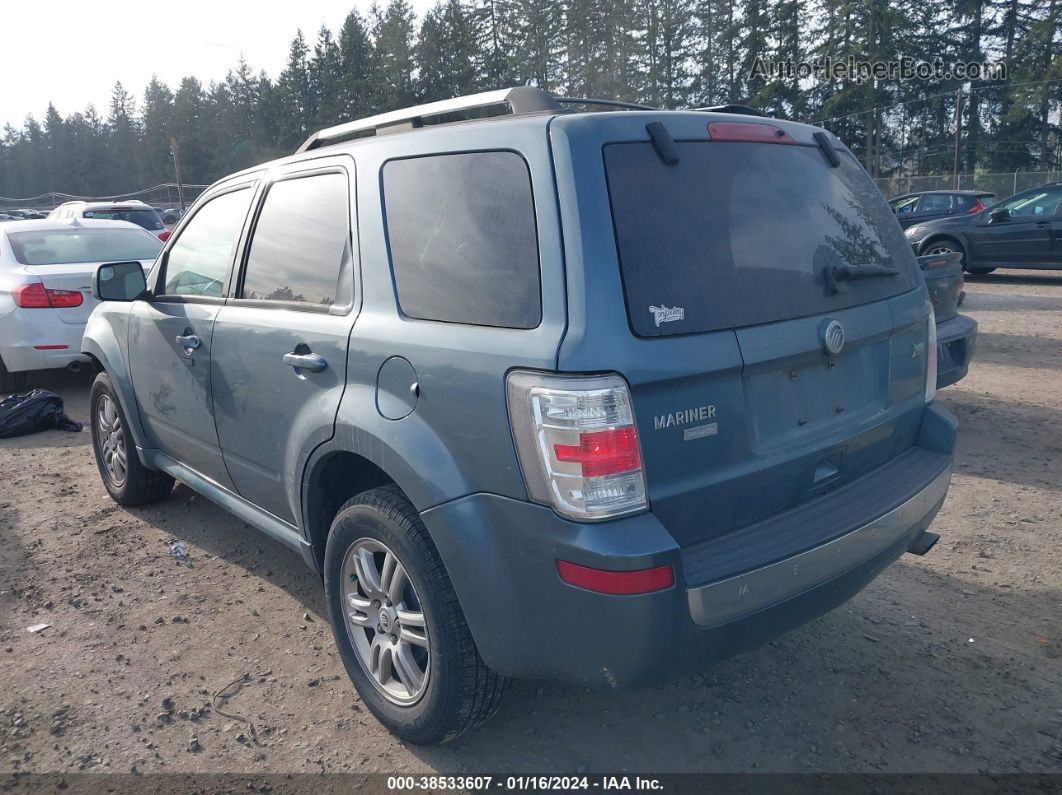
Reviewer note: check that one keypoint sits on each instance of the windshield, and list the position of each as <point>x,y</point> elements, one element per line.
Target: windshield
<point>146,218</point>
<point>56,246</point>
<point>737,234</point>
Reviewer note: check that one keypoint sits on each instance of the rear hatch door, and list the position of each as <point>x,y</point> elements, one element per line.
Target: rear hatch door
<point>758,382</point>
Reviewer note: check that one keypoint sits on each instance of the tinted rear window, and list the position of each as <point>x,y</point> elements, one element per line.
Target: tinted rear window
<point>57,246</point>
<point>146,219</point>
<point>738,234</point>
<point>462,234</point>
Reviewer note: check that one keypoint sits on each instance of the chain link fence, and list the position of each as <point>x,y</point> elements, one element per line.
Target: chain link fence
<point>165,195</point>
<point>1002,184</point>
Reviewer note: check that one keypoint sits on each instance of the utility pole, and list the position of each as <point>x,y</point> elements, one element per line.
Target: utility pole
<point>174,150</point>
<point>958,132</point>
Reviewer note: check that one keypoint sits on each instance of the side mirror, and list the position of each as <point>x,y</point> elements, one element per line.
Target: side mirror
<point>1002,214</point>
<point>119,281</point>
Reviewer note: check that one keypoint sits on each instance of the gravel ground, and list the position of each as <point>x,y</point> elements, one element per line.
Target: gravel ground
<point>948,663</point>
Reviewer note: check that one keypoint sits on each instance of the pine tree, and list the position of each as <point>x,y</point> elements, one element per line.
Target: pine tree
<point>357,69</point>
<point>297,103</point>
<point>393,42</point>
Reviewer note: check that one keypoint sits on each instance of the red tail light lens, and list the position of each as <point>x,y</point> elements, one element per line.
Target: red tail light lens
<point>616,583</point>
<point>31,296</point>
<point>37,296</point>
<point>601,453</point>
<point>165,235</point>
<point>749,133</point>
<point>577,443</point>
<point>64,299</point>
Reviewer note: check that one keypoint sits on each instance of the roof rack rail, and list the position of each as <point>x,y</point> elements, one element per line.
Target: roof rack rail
<point>742,109</point>
<point>521,100</point>
<point>613,103</point>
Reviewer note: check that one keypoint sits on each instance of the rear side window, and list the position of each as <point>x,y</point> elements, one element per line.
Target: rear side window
<point>301,241</point>
<point>461,229</point>
<point>935,202</point>
<point>198,262</point>
<point>737,234</point>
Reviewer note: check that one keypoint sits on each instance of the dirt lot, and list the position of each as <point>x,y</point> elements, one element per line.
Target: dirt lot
<point>947,663</point>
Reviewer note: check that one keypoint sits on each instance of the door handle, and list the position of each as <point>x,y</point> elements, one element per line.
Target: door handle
<point>311,362</point>
<point>1042,224</point>
<point>189,342</point>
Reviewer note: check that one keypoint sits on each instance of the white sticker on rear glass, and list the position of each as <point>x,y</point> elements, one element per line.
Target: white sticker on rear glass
<point>667,314</point>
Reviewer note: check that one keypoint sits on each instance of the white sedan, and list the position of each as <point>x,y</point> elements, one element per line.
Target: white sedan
<point>46,270</point>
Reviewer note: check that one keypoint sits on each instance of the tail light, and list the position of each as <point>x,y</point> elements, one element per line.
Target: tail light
<point>931,356</point>
<point>577,443</point>
<point>164,235</point>
<point>37,296</point>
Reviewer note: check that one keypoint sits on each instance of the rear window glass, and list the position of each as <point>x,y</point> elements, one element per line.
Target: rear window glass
<point>462,234</point>
<point>52,247</point>
<point>301,241</point>
<point>738,234</point>
<point>146,219</point>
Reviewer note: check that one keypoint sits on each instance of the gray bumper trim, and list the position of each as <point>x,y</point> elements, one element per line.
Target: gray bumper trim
<point>728,600</point>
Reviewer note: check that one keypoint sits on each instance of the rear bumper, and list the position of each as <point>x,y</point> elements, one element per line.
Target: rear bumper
<point>28,337</point>
<point>501,555</point>
<point>956,339</point>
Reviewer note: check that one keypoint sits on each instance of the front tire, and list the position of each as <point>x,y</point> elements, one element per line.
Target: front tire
<point>946,246</point>
<point>398,626</point>
<point>126,479</point>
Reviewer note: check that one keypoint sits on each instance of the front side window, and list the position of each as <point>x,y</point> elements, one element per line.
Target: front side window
<point>199,260</point>
<point>461,230</point>
<point>301,241</point>
<point>903,206</point>
<point>1034,203</point>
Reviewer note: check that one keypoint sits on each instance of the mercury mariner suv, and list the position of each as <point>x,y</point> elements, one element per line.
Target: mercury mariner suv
<point>593,396</point>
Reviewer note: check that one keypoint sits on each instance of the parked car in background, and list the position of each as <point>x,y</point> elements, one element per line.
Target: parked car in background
<point>1021,231</point>
<point>599,397</point>
<point>23,214</point>
<point>135,212</point>
<point>171,216</point>
<point>46,270</point>
<point>956,334</point>
<point>912,208</point>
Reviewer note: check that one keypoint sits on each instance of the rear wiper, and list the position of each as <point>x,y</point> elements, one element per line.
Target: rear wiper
<point>833,275</point>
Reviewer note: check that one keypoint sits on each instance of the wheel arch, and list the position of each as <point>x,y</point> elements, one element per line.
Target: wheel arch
<point>101,344</point>
<point>940,236</point>
<point>333,476</point>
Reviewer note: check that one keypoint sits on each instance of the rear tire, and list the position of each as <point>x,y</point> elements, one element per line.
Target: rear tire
<point>11,382</point>
<point>450,689</point>
<point>126,479</point>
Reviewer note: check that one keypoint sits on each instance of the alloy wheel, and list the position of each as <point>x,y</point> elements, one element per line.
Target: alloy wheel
<point>385,621</point>
<point>110,441</point>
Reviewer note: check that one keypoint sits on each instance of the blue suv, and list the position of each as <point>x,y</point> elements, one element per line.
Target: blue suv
<point>594,396</point>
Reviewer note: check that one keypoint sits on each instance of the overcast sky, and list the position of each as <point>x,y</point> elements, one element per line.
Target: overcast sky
<point>71,52</point>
